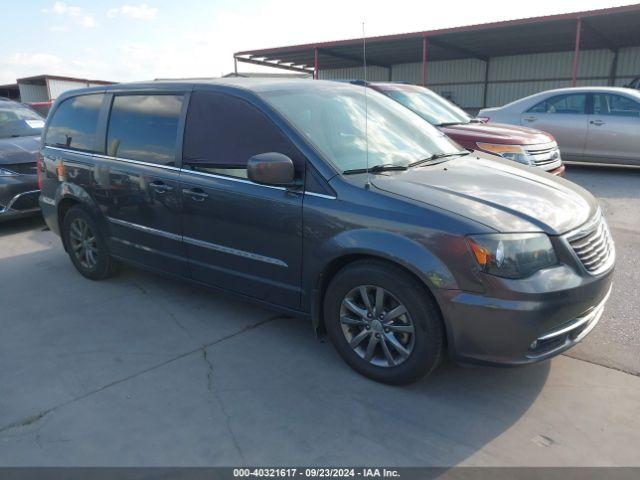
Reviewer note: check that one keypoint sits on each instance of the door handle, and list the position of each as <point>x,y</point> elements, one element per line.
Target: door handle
<point>160,187</point>
<point>196,194</point>
<point>530,119</point>
<point>596,122</point>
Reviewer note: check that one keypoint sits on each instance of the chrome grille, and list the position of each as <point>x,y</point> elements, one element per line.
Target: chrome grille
<point>594,246</point>
<point>545,155</point>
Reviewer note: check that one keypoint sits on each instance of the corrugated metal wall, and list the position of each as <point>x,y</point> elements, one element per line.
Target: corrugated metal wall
<point>58,87</point>
<point>509,78</point>
<point>33,93</point>
<point>459,80</point>
<point>629,64</point>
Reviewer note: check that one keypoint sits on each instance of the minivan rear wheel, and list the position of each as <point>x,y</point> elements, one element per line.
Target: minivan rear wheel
<point>383,322</point>
<point>85,245</point>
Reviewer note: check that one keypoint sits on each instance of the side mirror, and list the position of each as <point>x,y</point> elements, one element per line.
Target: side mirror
<point>271,169</point>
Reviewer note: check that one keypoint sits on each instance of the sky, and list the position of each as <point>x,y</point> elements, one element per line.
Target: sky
<point>129,40</point>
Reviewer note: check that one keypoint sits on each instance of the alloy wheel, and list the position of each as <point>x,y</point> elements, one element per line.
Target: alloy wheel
<point>377,326</point>
<point>83,243</point>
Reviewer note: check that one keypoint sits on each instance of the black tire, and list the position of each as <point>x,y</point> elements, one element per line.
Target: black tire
<point>428,340</point>
<point>104,265</point>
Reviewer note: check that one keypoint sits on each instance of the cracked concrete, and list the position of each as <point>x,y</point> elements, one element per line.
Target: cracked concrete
<point>145,370</point>
<point>37,417</point>
<point>220,402</point>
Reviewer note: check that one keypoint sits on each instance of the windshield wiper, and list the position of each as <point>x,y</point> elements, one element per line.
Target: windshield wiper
<point>376,169</point>
<point>437,156</point>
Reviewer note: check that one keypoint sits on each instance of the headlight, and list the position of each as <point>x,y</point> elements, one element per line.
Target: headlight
<point>510,152</point>
<point>512,255</point>
<point>5,173</point>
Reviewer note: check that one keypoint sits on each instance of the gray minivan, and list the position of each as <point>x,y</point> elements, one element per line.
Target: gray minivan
<point>354,212</point>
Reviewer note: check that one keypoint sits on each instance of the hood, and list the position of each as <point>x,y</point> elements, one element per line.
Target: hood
<point>19,150</point>
<point>495,193</point>
<point>495,133</point>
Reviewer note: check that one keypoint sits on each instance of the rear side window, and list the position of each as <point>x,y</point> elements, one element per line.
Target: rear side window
<point>615,105</point>
<point>74,123</point>
<point>223,132</point>
<point>564,104</point>
<point>144,128</point>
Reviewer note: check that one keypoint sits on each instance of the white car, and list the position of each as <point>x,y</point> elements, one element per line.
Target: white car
<point>590,124</point>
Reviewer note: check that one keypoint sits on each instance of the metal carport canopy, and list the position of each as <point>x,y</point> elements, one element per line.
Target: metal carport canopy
<point>610,28</point>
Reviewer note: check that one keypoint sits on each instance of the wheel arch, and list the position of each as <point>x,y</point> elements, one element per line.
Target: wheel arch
<point>338,263</point>
<point>70,195</point>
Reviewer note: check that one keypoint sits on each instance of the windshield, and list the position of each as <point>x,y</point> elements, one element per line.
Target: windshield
<point>332,117</point>
<point>19,121</point>
<point>430,106</point>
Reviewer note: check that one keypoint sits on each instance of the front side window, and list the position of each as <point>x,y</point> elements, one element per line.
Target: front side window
<point>563,104</point>
<point>16,120</point>
<point>430,106</point>
<point>222,132</point>
<point>615,105</point>
<point>144,128</point>
<point>74,123</point>
<point>335,120</point>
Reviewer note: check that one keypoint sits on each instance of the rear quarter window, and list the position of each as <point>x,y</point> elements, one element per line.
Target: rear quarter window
<point>74,123</point>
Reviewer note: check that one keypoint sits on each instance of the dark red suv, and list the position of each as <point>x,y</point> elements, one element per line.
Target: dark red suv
<point>521,144</point>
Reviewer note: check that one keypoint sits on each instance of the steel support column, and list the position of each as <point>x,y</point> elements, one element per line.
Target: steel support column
<point>576,53</point>
<point>614,68</point>
<point>425,45</point>
<point>485,92</point>
<point>315,63</point>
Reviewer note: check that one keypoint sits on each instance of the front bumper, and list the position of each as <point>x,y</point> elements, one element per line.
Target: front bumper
<point>519,331</point>
<point>18,196</point>
<point>560,171</point>
<point>565,336</point>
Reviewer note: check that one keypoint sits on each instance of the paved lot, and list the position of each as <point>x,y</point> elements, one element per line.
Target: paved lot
<point>616,340</point>
<point>143,370</point>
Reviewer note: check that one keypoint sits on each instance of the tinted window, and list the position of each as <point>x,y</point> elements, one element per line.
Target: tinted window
<point>144,127</point>
<point>223,132</point>
<point>570,104</point>
<point>74,123</point>
<point>616,105</point>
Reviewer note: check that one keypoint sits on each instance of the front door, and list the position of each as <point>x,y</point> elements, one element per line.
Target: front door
<point>563,116</point>
<point>239,235</point>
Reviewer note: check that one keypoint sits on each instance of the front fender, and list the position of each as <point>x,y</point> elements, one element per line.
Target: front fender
<point>398,249</point>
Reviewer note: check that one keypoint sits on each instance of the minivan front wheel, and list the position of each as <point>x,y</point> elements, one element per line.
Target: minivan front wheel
<point>85,245</point>
<point>383,322</point>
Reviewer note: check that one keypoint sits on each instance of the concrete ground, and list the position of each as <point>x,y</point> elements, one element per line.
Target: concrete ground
<point>145,370</point>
